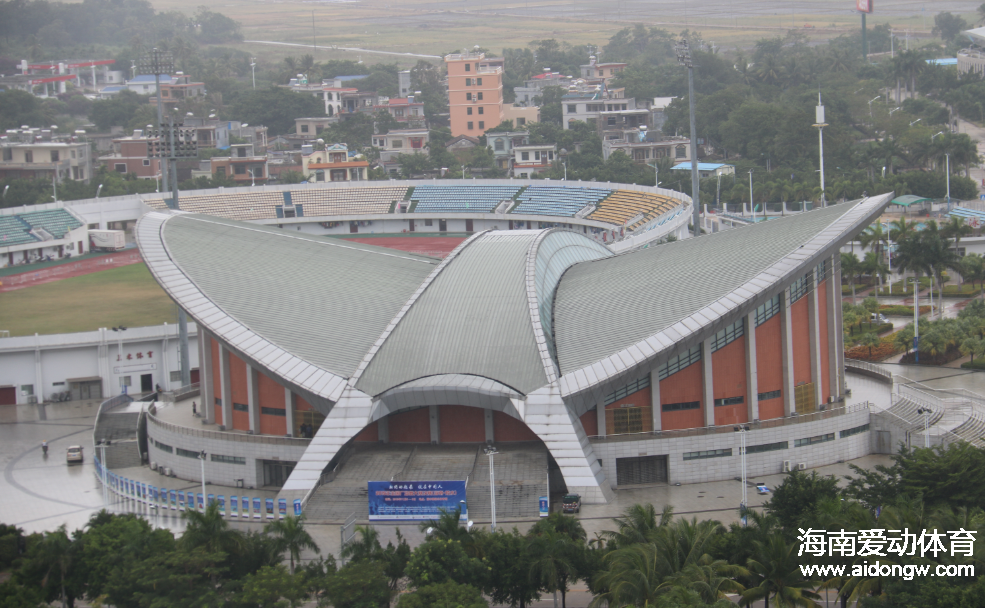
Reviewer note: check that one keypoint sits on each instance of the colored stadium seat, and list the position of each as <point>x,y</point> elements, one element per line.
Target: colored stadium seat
<point>558,200</point>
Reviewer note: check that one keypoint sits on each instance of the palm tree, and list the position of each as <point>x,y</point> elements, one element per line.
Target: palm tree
<point>367,547</point>
<point>448,527</point>
<point>56,552</point>
<point>955,228</point>
<point>874,237</point>
<point>972,268</point>
<point>209,530</point>
<point>775,569</point>
<point>851,266</point>
<point>900,230</point>
<point>637,525</point>
<point>554,555</point>
<point>875,267</point>
<point>293,537</point>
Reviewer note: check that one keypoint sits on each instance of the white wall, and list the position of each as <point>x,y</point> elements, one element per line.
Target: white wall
<point>77,355</point>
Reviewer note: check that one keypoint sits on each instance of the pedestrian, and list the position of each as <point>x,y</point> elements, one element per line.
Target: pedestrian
<point>194,413</point>
<point>157,388</point>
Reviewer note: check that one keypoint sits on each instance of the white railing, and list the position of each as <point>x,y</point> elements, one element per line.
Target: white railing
<point>866,366</point>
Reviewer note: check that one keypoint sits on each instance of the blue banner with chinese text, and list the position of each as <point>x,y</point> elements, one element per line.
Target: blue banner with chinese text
<point>415,500</point>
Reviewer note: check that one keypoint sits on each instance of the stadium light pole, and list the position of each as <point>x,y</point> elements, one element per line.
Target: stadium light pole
<point>491,452</point>
<point>684,58</point>
<point>174,142</point>
<point>155,63</point>
<point>253,66</point>
<point>820,124</point>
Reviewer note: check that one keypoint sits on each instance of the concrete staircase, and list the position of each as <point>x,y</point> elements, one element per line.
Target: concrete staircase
<point>446,462</point>
<point>521,478</point>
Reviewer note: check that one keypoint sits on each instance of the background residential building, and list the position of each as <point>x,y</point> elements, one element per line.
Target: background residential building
<point>475,93</point>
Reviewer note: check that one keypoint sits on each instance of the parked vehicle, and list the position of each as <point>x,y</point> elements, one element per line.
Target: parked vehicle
<point>74,454</point>
<point>571,503</point>
<point>107,240</point>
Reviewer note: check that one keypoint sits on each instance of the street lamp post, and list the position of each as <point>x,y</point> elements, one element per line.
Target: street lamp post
<point>870,105</point>
<point>742,430</point>
<point>491,452</point>
<point>102,461</point>
<point>684,58</point>
<point>752,202</point>
<point>926,425</point>
<point>916,318</point>
<point>201,458</point>
<point>947,160</point>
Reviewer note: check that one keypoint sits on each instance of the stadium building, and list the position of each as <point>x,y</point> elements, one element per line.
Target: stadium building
<point>618,369</point>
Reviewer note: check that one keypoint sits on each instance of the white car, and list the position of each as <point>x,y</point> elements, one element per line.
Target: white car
<point>74,454</point>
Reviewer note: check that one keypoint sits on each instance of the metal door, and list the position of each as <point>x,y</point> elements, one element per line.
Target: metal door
<point>641,470</point>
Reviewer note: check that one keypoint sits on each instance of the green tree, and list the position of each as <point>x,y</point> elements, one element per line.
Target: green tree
<point>366,548</point>
<point>870,340</point>
<point>775,570</point>
<point>443,595</point>
<point>292,536</point>
<point>441,560</point>
<point>117,111</point>
<point>972,268</point>
<point>173,578</point>
<point>360,584</point>
<point>21,108</point>
<point>795,499</point>
<point>277,108</point>
<point>509,568</point>
<point>850,267</point>
<point>948,26</point>
<point>871,306</point>
<point>209,530</point>
<point>272,587</point>
<point>636,525</point>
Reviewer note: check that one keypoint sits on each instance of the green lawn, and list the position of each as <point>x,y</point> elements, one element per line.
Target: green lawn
<point>127,296</point>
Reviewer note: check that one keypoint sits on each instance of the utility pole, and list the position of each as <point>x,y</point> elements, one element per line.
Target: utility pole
<point>820,124</point>
<point>156,63</point>
<point>174,142</point>
<point>684,58</point>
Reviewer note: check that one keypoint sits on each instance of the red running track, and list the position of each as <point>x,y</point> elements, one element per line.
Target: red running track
<point>72,269</point>
<point>434,246</point>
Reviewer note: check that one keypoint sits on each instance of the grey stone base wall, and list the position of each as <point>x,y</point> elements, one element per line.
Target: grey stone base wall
<point>253,448</point>
<point>757,464</point>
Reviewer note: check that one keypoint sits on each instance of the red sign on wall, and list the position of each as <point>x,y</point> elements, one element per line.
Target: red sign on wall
<point>864,6</point>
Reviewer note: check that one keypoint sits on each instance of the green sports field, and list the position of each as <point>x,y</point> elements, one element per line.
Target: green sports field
<point>126,296</point>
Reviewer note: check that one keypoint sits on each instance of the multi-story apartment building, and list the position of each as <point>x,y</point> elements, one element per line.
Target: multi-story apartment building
<point>130,155</point>
<point>333,164</point>
<point>503,143</point>
<point>602,72</point>
<point>404,110</point>
<point>244,165</point>
<point>178,88</point>
<point>475,93</point>
<point>37,153</point>
<point>401,141</point>
<point>528,94</point>
<point>531,159</point>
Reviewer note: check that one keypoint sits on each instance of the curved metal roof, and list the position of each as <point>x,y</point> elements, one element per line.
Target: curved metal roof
<point>617,316</point>
<point>473,319</point>
<point>323,300</point>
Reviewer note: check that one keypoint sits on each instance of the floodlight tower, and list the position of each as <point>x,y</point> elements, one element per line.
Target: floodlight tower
<point>684,58</point>
<point>174,142</point>
<point>155,63</point>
